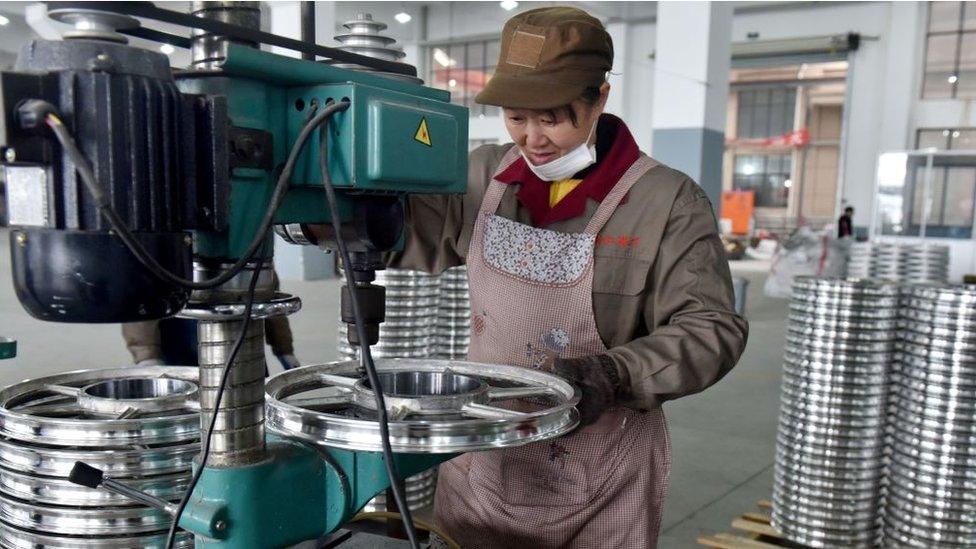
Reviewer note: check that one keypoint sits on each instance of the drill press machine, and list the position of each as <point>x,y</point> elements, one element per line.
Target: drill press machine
<point>136,192</point>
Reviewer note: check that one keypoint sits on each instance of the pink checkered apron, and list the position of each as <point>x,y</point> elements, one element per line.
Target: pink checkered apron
<point>604,484</point>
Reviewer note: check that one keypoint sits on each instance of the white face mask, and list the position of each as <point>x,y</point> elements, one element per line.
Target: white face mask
<point>566,165</point>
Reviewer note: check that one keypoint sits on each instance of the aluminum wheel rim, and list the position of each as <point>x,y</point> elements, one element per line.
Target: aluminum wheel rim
<point>450,435</point>
<point>18,424</point>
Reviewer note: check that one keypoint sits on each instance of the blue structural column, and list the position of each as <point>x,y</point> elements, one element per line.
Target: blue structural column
<point>691,88</point>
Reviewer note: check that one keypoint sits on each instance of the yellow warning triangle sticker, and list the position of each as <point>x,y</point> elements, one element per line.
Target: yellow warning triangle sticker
<point>422,134</point>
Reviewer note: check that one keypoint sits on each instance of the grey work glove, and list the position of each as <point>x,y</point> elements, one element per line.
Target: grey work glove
<point>598,380</point>
<point>288,361</point>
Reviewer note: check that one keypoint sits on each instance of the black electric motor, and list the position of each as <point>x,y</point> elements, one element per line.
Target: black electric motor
<point>138,132</point>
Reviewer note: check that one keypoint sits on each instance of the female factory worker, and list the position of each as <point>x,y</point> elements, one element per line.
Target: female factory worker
<point>588,258</point>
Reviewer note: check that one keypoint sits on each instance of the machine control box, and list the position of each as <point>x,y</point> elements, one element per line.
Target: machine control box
<point>386,142</point>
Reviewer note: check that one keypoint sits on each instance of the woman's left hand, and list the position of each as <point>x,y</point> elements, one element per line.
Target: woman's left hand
<point>598,380</point>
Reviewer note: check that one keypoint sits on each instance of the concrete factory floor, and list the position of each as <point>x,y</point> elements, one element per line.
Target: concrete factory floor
<point>723,439</point>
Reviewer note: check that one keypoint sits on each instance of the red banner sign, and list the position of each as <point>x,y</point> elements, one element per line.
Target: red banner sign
<point>799,138</point>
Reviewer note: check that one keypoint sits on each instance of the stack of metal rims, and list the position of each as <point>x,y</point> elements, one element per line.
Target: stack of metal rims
<point>420,492</point>
<point>922,263</point>
<point>859,260</point>
<point>453,333</point>
<point>829,465</point>
<point>925,264</point>
<point>139,425</point>
<point>411,314</point>
<point>930,493</point>
<point>887,261</point>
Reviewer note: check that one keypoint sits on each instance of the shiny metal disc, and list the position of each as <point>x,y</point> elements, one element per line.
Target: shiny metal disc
<point>818,310</point>
<point>823,332</point>
<point>827,512</point>
<point>850,324</point>
<point>897,535</point>
<point>859,287</point>
<point>796,341</point>
<point>909,519</point>
<point>797,528</point>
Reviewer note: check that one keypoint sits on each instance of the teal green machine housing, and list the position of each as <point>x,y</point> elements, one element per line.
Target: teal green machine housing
<point>396,137</point>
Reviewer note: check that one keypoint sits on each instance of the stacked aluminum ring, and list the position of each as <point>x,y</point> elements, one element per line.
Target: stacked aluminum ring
<point>411,312</point>
<point>925,264</point>
<point>830,441</point>
<point>420,492</point>
<point>887,261</point>
<point>930,493</point>
<point>859,260</point>
<point>909,263</point>
<point>139,425</point>
<point>453,333</point>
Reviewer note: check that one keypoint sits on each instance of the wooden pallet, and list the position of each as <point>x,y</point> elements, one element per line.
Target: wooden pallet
<point>753,531</point>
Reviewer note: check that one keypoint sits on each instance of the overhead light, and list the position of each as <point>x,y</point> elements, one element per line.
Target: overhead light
<point>167,49</point>
<point>3,20</point>
<point>788,183</point>
<point>748,169</point>
<point>508,5</point>
<point>442,59</point>
<point>403,17</point>
<point>953,79</point>
<point>452,82</point>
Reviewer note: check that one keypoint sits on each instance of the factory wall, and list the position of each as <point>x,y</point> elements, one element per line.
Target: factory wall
<point>880,89</point>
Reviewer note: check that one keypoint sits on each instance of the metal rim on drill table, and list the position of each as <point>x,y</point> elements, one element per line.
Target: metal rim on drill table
<point>17,538</point>
<point>59,410</point>
<point>456,422</point>
<point>280,305</point>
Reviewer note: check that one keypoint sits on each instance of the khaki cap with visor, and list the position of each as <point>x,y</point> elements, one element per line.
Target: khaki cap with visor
<point>549,56</point>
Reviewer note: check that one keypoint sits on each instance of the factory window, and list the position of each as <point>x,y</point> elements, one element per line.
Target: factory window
<point>947,139</point>
<point>765,112</point>
<point>950,52</point>
<point>768,175</point>
<point>463,68</point>
<point>761,113</point>
<point>943,201</point>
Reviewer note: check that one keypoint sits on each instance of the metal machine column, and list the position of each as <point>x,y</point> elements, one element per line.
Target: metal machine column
<point>209,50</point>
<point>238,437</point>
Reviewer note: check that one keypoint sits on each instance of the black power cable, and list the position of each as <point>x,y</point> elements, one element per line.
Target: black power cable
<point>103,201</point>
<point>365,354</point>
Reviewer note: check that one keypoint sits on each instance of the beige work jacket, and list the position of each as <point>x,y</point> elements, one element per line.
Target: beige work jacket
<point>662,292</point>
